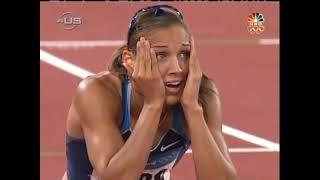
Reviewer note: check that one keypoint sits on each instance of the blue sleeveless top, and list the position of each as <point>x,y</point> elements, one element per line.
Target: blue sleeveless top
<point>169,150</point>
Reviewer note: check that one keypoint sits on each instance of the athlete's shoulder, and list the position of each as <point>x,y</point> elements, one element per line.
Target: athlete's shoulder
<point>103,82</point>
<point>99,94</point>
<point>102,87</point>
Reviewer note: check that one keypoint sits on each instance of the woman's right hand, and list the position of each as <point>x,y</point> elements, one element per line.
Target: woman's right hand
<point>146,75</point>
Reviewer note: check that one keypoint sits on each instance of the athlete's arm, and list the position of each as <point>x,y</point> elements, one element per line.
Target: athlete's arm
<point>99,105</point>
<point>210,152</point>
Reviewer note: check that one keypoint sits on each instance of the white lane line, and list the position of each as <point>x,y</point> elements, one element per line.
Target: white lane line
<point>63,65</point>
<point>244,150</point>
<point>81,44</point>
<point>250,138</point>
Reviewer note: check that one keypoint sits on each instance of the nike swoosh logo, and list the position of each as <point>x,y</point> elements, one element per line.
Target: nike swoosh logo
<point>163,148</point>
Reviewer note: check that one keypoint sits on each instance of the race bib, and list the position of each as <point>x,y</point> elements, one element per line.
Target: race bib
<point>162,173</point>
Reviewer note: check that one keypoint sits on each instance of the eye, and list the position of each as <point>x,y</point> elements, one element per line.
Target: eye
<point>161,55</point>
<point>184,55</point>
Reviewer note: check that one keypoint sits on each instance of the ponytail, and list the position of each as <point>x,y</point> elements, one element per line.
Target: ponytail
<point>116,65</point>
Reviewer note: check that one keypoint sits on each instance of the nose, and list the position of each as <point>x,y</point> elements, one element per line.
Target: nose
<point>174,66</point>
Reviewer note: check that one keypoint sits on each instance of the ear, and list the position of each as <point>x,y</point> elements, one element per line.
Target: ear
<point>128,61</point>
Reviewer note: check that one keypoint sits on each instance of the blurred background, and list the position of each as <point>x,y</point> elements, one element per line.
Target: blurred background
<point>77,39</point>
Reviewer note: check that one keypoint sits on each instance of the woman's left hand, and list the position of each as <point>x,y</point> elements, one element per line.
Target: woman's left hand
<point>190,94</point>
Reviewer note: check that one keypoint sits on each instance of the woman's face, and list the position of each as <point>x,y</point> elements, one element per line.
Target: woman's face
<point>172,47</point>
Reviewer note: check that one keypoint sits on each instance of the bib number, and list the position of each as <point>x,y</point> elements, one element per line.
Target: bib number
<point>158,176</point>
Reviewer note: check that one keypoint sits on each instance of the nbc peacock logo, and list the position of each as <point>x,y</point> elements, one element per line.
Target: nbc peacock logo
<point>255,23</point>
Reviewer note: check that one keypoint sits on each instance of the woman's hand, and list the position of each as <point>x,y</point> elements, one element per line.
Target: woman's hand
<point>146,75</point>
<point>191,90</point>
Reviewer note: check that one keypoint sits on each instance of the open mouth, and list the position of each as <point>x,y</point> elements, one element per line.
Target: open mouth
<point>173,86</point>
